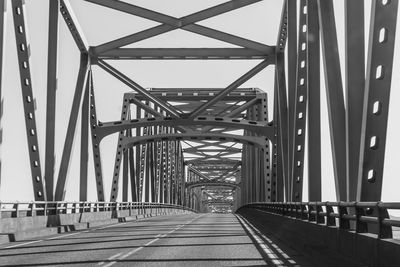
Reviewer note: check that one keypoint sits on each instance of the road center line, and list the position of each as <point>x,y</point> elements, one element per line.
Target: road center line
<point>157,237</point>
<point>27,243</point>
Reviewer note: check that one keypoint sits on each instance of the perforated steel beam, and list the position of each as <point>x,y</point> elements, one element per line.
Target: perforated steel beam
<point>23,52</point>
<point>376,99</point>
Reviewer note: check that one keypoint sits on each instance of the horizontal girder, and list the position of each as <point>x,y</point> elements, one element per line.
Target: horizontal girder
<point>248,140</point>
<point>211,183</point>
<point>108,128</point>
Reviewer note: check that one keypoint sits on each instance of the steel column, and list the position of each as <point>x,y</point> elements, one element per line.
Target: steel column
<point>23,52</point>
<point>65,160</point>
<point>334,92</point>
<point>314,105</point>
<point>376,99</point>
<point>84,142</point>
<point>51,97</point>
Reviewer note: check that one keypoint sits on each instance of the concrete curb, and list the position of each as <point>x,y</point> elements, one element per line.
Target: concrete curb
<point>42,232</point>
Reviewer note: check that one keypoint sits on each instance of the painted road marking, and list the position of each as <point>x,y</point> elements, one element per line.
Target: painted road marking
<point>157,237</point>
<point>27,243</point>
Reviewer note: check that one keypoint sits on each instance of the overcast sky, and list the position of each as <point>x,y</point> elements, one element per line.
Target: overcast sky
<point>258,22</point>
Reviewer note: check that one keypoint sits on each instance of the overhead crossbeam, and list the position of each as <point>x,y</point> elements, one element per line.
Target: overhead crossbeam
<point>211,183</point>
<point>108,128</point>
<point>170,23</point>
<point>249,140</point>
<point>181,53</point>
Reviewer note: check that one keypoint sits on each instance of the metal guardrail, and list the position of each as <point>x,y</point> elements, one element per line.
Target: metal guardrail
<point>41,208</point>
<point>361,217</point>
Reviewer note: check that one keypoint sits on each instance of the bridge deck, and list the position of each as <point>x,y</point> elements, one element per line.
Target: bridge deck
<point>187,240</point>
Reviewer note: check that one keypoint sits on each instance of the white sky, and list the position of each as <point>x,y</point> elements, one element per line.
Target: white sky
<point>258,22</point>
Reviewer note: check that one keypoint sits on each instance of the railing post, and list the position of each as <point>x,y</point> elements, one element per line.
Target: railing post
<point>361,227</point>
<point>330,221</point>
<point>384,231</point>
<point>319,218</point>
<point>343,223</point>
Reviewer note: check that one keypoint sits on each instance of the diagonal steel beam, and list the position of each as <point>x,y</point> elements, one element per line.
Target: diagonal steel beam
<point>147,95</point>
<point>69,139</point>
<point>376,99</point>
<point>199,173</point>
<point>237,111</point>
<point>73,26</point>
<point>22,45</point>
<point>247,76</point>
<point>184,21</point>
<point>334,87</point>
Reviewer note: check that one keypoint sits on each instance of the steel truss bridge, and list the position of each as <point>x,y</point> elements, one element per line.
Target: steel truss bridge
<point>190,151</point>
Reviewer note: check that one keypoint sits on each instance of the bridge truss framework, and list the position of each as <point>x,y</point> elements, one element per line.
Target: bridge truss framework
<point>233,120</point>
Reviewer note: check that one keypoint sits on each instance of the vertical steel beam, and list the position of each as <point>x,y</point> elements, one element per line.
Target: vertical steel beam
<point>119,153</point>
<point>152,172</point>
<point>138,149</point>
<point>23,51</point>
<point>334,87</point>
<point>96,145</point>
<point>51,97</point>
<point>355,82</point>
<point>314,105</point>
<point>2,33</point>
<point>376,99</point>
<point>282,113</point>
<point>65,160</point>
<point>291,6</point>
<point>276,168</point>
<point>300,110</point>
<point>134,190</point>
<point>125,175</point>
<point>84,142</point>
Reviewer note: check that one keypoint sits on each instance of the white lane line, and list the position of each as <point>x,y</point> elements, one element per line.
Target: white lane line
<point>27,243</point>
<point>60,236</point>
<point>108,226</point>
<point>157,237</point>
<point>110,258</point>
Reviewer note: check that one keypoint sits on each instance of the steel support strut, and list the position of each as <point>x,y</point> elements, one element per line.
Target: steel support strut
<point>376,99</point>
<point>96,144</point>
<point>355,82</point>
<point>51,97</point>
<point>334,92</point>
<point>23,51</point>
<point>65,160</point>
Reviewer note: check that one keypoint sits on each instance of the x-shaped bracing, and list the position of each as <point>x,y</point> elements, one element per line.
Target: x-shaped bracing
<point>188,23</point>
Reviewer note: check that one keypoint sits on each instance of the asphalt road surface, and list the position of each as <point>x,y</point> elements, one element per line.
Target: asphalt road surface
<point>184,240</point>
